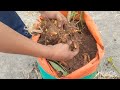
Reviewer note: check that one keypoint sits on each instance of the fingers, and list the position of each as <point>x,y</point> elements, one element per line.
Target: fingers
<point>69,42</point>
<point>61,20</point>
<point>56,15</point>
<point>75,52</point>
<point>64,18</point>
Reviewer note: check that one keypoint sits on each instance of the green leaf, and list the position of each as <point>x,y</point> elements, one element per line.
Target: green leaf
<point>58,67</point>
<point>73,14</point>
<point>110,60</point>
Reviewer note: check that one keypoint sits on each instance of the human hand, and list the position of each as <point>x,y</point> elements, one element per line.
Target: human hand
<point>61,52</point>
<point>55,15</point>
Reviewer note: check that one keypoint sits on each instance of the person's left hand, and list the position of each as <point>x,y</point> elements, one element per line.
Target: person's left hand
<point>55,15</point>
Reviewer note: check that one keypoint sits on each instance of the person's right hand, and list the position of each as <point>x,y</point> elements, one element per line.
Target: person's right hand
<point>61,52</point>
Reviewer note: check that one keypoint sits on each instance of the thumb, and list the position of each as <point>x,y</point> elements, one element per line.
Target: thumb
<point>69,42</point>
<point>60,22</point>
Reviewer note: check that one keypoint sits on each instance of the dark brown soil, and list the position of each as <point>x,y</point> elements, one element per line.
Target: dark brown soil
<point>81,38</point>
<point>87,51</point>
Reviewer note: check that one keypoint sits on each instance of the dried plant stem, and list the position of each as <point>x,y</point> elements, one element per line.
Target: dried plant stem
<point>81,18</point>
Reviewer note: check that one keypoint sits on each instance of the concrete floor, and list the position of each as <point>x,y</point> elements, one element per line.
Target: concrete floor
<point>109,27</point>
<point>18,66</point>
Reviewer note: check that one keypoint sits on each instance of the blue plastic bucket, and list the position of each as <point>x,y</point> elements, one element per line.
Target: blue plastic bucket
<point>45,75</point>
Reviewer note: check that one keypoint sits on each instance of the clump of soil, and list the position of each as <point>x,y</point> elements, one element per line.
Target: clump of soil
<point>75,32</point>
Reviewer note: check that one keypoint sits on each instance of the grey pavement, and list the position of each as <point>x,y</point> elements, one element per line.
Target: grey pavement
<point>109,27</point>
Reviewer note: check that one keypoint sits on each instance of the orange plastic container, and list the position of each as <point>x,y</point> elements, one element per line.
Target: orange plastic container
<point>88,68</point>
